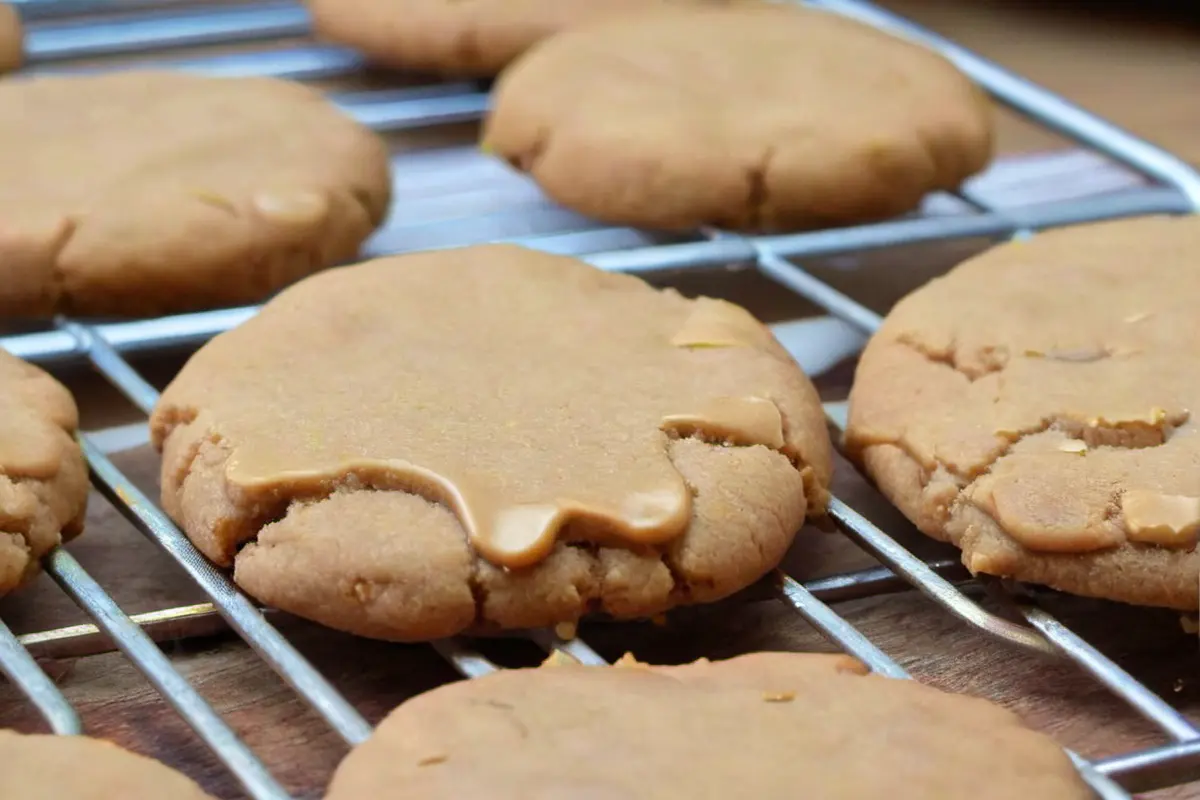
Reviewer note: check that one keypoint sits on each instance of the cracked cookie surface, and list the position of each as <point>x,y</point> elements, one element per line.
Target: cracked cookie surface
<point>754,118</point>
<point>458,37</point>
<point>766,725</point>
<point>1036,407</point>
<point>43,478</point>
<point>81,768</point>
<point>145,193</point>
<point>12,40</point>
<point>490,437</point>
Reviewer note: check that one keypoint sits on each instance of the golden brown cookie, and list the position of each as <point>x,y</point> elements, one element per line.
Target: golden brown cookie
<point>144,193</point>
<point>43,478</point>
<point>490,437</point>
<point>768,725</point>
<point>12,42</point>
<point>1035,407</point>
<point>453,37</point>
<point>79,768</point>
<point>749,118</point>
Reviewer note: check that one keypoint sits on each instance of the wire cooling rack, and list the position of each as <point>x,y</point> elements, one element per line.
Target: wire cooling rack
<point>73,35</point>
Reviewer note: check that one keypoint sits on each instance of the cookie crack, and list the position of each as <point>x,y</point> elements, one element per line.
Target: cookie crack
<point>27,566</point>
<point>527,160</point>
<point>1136,434</point>
<point>19,527</point>
<point>479,593</point>
<point>468,47</point>
<point>374,212</point>
<point>814,493</point>
<point>995,357</point>
<point>59,299</point>
<point>1127,435</point>
<point>41,526</point>
<point>758,194</point>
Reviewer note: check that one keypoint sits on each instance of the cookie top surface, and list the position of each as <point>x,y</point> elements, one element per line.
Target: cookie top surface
<point>80,768</point>
<point>537,398</point>
<point>753,117</point>
<point>43,479</point>
<point>12,43</point>
<point>764,725</point>
<point>143,193</point>
<point>1035,406</point>
<point>477,37</point>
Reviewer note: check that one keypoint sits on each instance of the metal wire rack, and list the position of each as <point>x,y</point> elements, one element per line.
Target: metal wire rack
<point>61,33</point>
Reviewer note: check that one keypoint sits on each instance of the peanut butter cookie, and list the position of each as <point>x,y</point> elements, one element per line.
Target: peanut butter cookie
<point>453,37</point>
<point>1034,407</point>
<point>144,193</point>
<point>753,117</point>
<point>490,437</point>
<point>769,725</point>
<point>43,478</point>
<point>12,41</point>
<point>80,768</point>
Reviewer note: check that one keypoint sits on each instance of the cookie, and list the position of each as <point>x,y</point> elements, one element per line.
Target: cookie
<point>490,437</point>
<point>43,477</point>
<point>450,37</point>
<point>143,193</point>
<point>80,768</point>
<point>768,725</point>
<point>12,44</point>
<point>753,118</point>
<point>1034,407</point>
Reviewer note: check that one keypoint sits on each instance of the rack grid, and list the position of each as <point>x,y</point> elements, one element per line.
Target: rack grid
<point>62,33</point>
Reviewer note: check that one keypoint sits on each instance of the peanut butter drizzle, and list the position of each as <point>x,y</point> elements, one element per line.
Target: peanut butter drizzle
<point>527,393</point>
<point>735,420</point>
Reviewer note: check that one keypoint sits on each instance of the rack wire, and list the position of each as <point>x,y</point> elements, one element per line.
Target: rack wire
<point>60,33</point>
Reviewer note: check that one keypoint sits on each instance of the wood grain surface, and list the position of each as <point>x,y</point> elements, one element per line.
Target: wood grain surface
<point>1136,63</point>
<point>1140,73</point>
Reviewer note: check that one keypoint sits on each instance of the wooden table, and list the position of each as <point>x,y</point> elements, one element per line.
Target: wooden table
<point>1136,63</point>
<point>1145,76</point>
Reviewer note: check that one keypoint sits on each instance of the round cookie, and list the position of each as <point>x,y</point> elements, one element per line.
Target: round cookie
<point>490,437</point>
<point>12,41</point>
<point>43,477</point>
<point>143,193</point>
<point>765,725</point>
<point>754,118</point>
<point>452,37</point>
<point>1035,408</point>
<point>79,768</point>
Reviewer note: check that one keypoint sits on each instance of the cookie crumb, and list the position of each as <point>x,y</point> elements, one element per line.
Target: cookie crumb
<point>429,761</point>
<point>629,660</point>
<point>558,658</point>
<point>1190,623</point>
<point>1163,519</point>
<point>1073,446</point>
<point>362,591</point>
<point>660,620</point>
<point>779,697</point>
<point>1179,684</point>
<point>566,631</point>
<point>216,201</point>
